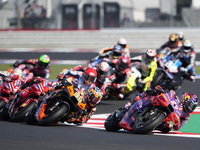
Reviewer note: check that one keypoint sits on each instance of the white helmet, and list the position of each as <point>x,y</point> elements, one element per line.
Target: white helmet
<point>180,35</point>
<point>102,70</point>
<point>149,56</point>
<point>187,46</point>
<point>122,42</point>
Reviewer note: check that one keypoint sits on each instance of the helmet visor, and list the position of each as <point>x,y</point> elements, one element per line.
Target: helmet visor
<point>43,65</point>
<point>191,105</point>
<point>102,73</point>
<point>90,79</point>
<point>148,59</point>
<point>122,66</point>
<point>187,49</point>
<point>116,54</point>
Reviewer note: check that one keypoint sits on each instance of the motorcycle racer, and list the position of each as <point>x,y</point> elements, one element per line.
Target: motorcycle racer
<point>123,43</point>
<point>187,57</point>
<point>86,83</point>
<point>122,73</point>
<point>39,67</point>
<point>109,56</point>
<point>146,64</point>
<point>188,102</point>
<point>12,82</point>
<point>174,44</point>
<point>37,79</point>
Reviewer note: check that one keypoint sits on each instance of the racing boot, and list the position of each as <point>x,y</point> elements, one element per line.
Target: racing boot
<point>164,127</point>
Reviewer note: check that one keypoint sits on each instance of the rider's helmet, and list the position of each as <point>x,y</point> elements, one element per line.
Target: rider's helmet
<point>173,39</point>
<point>187,46</point>
<point>149,56</point>
<point>44,61</point>
<point>90,75</point>
<point>117,51</point>
<point>189,101</point>
<point>180,35</point>
<point>122,42</point>
<point>94,96</point>
<point>102,71</point>
<point>123,64</point>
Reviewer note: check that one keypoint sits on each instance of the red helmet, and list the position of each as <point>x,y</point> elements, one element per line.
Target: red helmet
<point>90,75</point>
<point>123,63</point>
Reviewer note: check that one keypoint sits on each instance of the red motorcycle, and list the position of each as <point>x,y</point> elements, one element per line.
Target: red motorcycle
<point>11,84</point>
<point>7,90</point>
<point>24,101</point>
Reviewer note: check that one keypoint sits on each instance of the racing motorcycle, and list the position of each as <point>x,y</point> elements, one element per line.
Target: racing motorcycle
<point>24,101</point>
<point>168,73</point>
<point>106,86</point>
<point>146,119</point>
<point>10,87</point>
<point>7,91</point>
<point>132,84</point>
<point>61,105</point>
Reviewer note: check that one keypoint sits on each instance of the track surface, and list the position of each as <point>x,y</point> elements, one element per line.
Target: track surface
<point>20,136</point>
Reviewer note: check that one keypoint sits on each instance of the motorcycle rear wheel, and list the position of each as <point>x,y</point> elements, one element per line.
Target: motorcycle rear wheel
<point>148,121</point>
<point>54,115</point>
<point>20,115</point>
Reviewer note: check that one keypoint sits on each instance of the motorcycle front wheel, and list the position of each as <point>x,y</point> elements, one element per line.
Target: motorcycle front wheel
<point>157,80</point>
<point>20,114</point>
<point>112,122</point>
<point>148,120</point>
<point>54,115</point>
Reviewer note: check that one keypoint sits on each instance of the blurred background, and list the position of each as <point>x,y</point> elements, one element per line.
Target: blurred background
<point>95,24</point>
<point>95,14</point>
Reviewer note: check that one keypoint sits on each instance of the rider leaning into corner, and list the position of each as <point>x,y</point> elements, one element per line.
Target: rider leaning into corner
<point>187,57</point>
<point>122,74</point>
<point>146,64</point>
<point>121,42</point>
<point>188,101</point>
<point>102,74</point>
<point>39,67</point>
<point>174,43</point>
<point>110,56</point>
<point>86,82</point>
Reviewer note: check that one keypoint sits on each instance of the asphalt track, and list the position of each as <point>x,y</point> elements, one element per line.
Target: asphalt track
<point>19,136</point>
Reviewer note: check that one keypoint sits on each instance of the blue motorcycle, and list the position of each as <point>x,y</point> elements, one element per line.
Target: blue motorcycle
<point>168,73</point>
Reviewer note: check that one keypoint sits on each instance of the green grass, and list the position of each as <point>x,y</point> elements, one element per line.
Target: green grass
<point>56,69</point>
<point>192,126</point>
